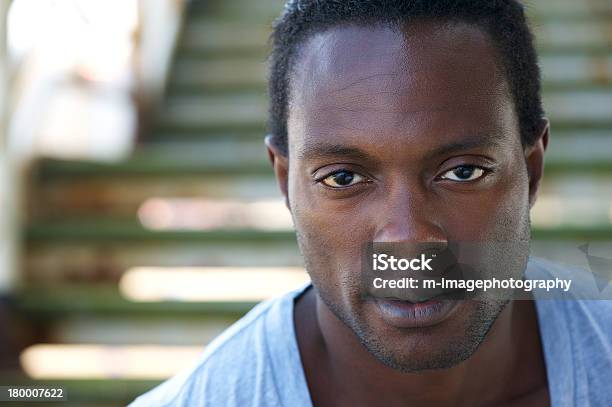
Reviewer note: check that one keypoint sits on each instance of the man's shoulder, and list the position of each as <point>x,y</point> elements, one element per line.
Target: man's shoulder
<point>588,304</point>
<point>576,336</point>
<point>226,372</point>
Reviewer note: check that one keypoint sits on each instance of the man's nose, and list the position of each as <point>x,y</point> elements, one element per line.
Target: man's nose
<point>409,217</point>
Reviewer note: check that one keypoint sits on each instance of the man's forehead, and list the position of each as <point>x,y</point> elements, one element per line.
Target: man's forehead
<point>434,78</point>
<point>351,55</point>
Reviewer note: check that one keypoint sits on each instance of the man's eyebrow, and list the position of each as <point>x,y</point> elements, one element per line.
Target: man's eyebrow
<point>465,144</point>
<point>328,150</point>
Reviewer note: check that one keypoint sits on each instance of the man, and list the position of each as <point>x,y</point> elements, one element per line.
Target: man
<point>404,121</point>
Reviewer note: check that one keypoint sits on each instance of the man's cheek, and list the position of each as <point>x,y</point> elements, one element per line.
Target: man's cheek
<point>330,241</point>
<point>338,222</point>
<point>512,214</point>
<point>497,214</point>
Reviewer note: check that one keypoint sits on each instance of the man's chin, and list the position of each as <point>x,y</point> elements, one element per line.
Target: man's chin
<point>433,335</point>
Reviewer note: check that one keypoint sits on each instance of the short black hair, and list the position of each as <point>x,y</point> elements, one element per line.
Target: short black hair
<point>503,20</point>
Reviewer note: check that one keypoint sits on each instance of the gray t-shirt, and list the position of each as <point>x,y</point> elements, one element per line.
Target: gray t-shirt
<point>256,362</point>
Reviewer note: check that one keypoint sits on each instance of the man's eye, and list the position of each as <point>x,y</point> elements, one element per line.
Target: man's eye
<point>343,179</point>
<point>464,173</point>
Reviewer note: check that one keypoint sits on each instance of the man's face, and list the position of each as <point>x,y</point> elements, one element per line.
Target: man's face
<point>403,135</point>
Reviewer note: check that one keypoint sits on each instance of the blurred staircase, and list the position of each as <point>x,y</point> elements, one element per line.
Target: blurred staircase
<point>86,229</point>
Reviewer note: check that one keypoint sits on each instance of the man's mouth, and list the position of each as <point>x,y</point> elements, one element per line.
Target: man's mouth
<point>408,314</point>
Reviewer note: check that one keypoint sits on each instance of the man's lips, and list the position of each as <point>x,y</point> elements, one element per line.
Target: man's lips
<point>406,314</point>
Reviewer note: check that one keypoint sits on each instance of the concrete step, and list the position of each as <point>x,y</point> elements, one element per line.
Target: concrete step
<point>595,105</point>
<point>596,32</point>
<point>568,7</point>
<point>188,135</point>
<point>104,250</point>
<point>124,196</point>
<point>179,328</point>
<point>215,150</point>
<point>573,200</point>
<point>261,10</point>
<point>73,304</point>
<point>242,110</point>
<point>221,74</point>
<point>579,147</point>
<point>144,166</point>
<point>213,35</point>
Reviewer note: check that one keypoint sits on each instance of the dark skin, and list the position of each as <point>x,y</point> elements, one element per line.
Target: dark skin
<point>380,119</point>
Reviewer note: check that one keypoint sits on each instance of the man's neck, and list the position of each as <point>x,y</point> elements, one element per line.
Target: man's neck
<point>340,371</point>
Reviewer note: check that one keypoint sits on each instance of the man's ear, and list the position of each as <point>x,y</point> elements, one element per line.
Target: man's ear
<point>534,157</point>
<point>280,163</point>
